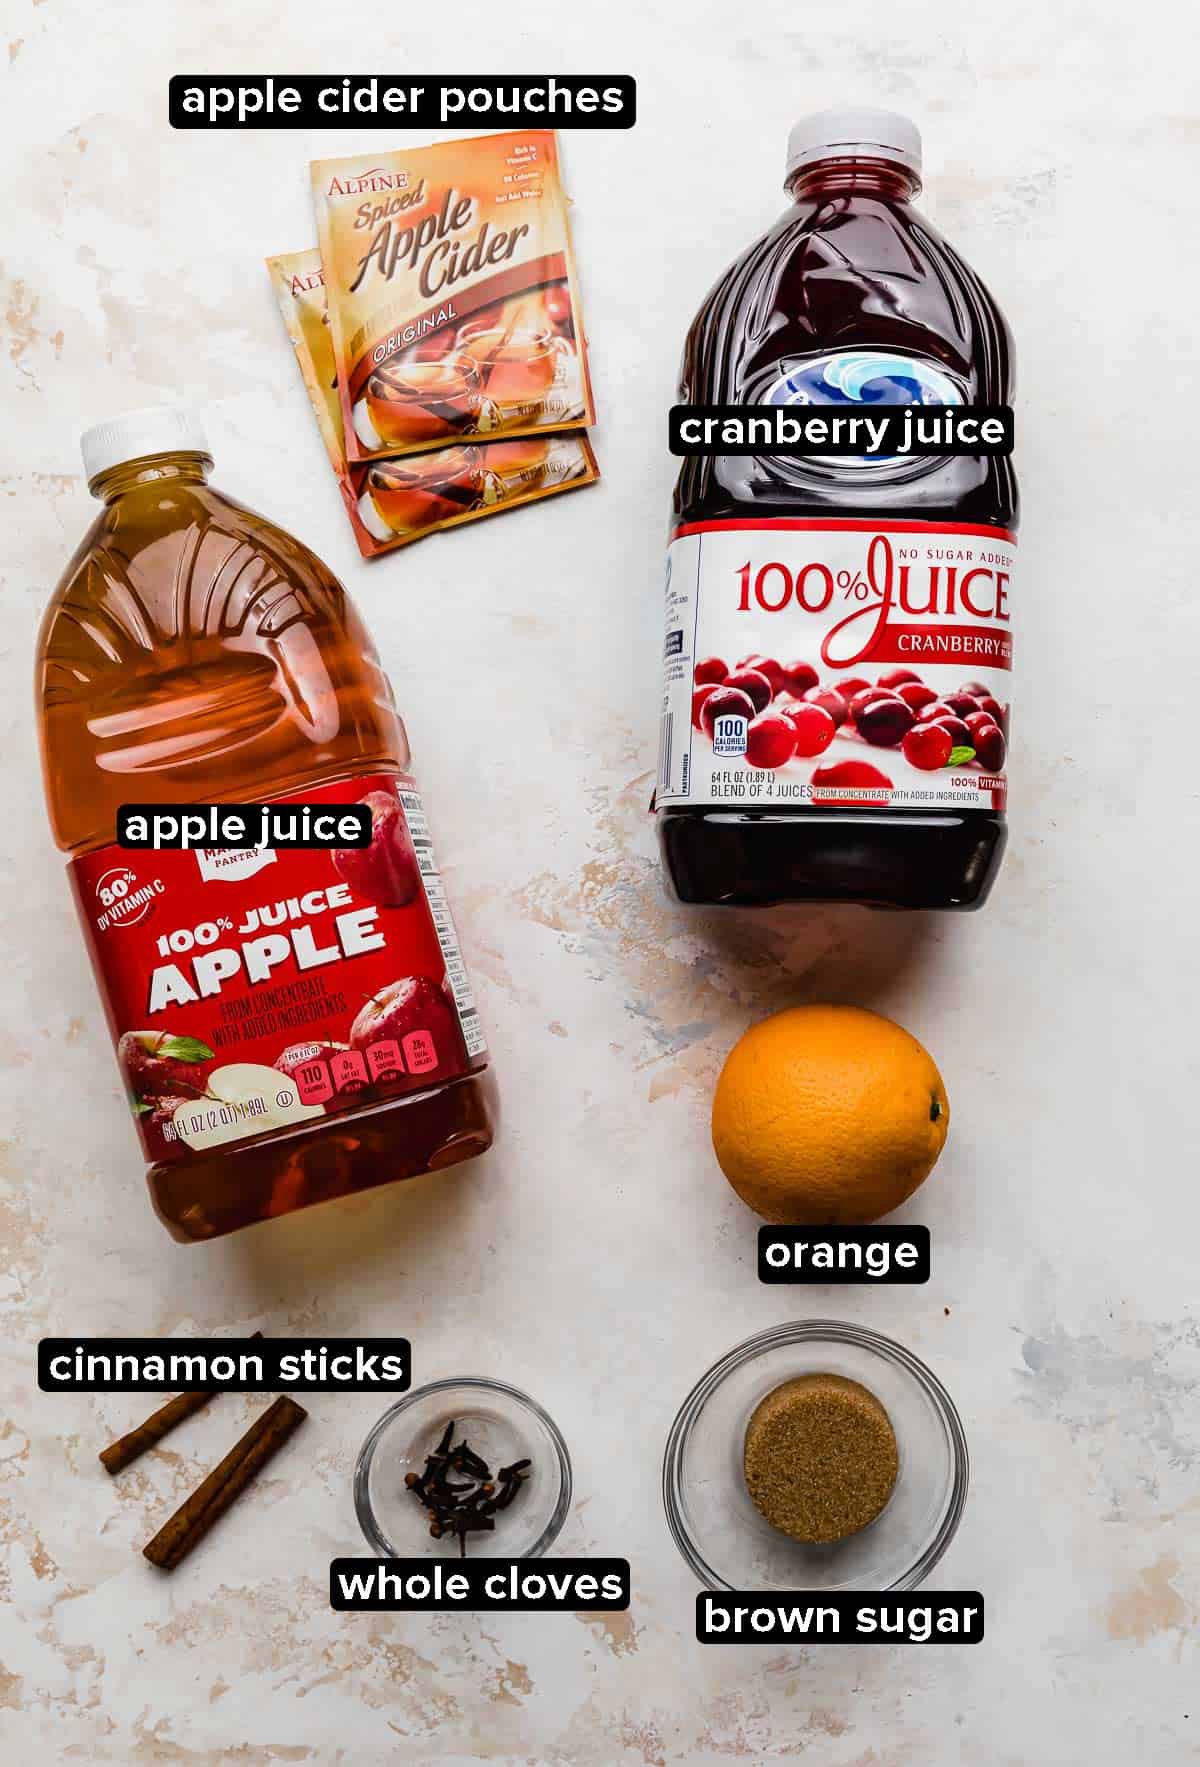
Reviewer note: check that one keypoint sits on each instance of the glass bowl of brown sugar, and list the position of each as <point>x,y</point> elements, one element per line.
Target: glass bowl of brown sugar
<point>818,1455</point>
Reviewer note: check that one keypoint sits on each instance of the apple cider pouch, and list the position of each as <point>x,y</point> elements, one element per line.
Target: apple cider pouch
<point>391,502</point>
<point>453,298</point>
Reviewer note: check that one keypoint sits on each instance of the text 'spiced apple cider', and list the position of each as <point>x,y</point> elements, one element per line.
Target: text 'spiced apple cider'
<point>839,629</point>
<point>453,297</point>
<point>291,1024</point>
<point>393,502</point>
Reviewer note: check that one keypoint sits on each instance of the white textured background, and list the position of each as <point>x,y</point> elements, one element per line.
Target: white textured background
<point>597,1257</point>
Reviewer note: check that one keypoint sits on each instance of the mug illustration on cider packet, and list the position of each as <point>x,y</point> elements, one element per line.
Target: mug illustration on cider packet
<point>453,296</point>
<point>391,502</point>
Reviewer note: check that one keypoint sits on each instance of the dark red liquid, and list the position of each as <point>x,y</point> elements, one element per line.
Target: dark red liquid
<point>851,264</point>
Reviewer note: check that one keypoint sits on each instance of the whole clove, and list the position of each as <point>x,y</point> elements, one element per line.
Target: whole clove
<point>464,1504</point>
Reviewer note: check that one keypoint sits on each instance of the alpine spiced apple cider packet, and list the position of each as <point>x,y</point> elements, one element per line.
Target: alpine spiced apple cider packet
<point>453,298</point>
<point>392,502</point>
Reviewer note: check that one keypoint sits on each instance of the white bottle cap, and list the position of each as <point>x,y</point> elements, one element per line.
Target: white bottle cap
<point>852,133</point>
<point>156,429</point>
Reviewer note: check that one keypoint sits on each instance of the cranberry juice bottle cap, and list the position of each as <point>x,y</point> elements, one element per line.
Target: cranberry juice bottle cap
<point>156,429</point>
<point>852,132</point>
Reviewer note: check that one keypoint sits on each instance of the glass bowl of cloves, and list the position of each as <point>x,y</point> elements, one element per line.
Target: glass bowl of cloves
<point>463,1467</point>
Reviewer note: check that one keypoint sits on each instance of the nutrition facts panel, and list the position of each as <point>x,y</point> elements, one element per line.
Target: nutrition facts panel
<point>443,921</point>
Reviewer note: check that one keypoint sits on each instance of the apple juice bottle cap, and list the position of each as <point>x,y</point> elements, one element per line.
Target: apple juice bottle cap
<point>155,429</point>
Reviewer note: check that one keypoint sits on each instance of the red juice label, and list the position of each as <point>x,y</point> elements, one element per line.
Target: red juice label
<point>837,661</point>
<point>251,989</point>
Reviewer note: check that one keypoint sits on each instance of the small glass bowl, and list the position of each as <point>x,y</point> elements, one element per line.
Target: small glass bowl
<point>716,1526</point>
<point>499,1423</point>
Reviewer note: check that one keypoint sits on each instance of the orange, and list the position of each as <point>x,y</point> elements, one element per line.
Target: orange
<point>828,1115</point>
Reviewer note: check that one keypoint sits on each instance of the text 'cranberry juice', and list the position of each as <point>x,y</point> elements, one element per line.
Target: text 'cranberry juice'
<point>838,629</point>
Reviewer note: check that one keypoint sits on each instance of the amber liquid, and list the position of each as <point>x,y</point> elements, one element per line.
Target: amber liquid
<point>851,264</point>
<point>195,653</point>
<point>519,462</point>
<point>515,367</point>
<point>412,402</point>
<point>427,488</point>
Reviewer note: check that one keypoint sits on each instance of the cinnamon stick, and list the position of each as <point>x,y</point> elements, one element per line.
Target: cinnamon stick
<point>126,1449</point>
<point>224,1484</point>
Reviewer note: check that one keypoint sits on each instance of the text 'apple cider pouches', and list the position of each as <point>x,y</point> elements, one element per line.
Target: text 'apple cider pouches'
<point>453,298</point>
<point>391,502</point>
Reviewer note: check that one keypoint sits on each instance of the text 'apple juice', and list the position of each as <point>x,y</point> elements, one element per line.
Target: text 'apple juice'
<point>291,1024</point>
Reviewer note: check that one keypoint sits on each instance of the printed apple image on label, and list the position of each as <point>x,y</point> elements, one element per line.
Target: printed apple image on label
<point>157,1124</point>
<point>243,1099</point>
<point>157,1065</point>
<point>414,1016</point>
<point>386,872</point>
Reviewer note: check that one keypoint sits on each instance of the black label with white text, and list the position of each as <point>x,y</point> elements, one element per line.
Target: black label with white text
<point>481,1585</point>
<point>858,432</point>
<point>224,1365</point>
<point>814,1616</point>
<point>843,1254</point>
<point>153,827</point>
<point>426,101</point>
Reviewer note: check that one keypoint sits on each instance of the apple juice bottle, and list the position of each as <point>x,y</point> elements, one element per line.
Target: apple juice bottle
<point>291,1024</point>
<point>838,631</point>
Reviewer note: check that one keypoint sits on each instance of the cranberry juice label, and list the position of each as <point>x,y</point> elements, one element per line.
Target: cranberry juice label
<point>248,990</point>
<point>837,661</point>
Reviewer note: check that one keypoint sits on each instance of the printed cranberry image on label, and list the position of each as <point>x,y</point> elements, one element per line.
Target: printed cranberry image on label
<point>252,990</point>
<point>898,641</point>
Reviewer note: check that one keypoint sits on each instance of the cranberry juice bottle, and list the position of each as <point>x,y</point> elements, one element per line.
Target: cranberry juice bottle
<point>291,1024</point>
<point>835,713</point>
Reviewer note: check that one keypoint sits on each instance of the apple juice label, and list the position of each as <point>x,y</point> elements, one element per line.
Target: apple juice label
<point>457,979</point>
<point>837,661</point>
<point>250,989</point>
<point>390,503</point>
<point>453,299</point>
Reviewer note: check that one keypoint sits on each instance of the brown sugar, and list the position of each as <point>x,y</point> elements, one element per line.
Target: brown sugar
<point>820,1457</point>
